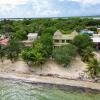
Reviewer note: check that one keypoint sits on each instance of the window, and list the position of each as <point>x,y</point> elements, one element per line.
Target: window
<point>68,41</point>
<point>63,41</point>
<point>56,41</point>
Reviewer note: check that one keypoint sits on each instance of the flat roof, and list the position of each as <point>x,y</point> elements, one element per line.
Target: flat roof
<point>96,39</point>
<point>32,34</point>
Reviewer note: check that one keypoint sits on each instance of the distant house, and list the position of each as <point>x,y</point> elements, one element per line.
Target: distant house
<point>86,31</point>
<point>98,30</point>
<point>3,40</point>
<point>96,40</point>
<point>32,36</point>
<point>60,39</point>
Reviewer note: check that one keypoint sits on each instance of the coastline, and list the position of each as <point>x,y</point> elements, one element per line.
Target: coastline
<point>50,82</point>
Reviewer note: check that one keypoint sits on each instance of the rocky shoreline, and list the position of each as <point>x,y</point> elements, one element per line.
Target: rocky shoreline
<point>54,83</point>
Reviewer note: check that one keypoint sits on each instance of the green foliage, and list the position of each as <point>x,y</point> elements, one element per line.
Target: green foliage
<point>79,28</point>
<point>47,42</point>
<point>41,50</point>
<point>87,54</point>
<point>93,68</point>
<point>66,32</point>
<point>82,42</point>
<point>7,28</point>
<point>34,55</point>
<point>93,29</point>
<point>2,52</point>
<point>13,49</point>
<point>64,55</point>
<point>21,34</point>
<point>46,26</point>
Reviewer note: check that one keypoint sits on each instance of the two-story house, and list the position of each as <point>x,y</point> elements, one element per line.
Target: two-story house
<point>60,39</point>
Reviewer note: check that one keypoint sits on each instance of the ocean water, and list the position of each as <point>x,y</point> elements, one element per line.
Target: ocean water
<point>13,90</point>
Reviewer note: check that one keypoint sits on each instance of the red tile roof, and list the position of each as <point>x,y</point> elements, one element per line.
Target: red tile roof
<point>4,41</point>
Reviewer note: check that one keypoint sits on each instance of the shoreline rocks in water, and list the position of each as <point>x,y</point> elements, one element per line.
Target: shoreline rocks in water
<point>56,83</point>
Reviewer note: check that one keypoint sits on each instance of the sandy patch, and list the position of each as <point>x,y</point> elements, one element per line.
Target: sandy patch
<point>17,67</point>
<point>72,71</point>
<point>75,68</point>
<point>97,55</point>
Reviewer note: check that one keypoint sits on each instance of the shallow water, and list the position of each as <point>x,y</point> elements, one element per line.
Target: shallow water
<point>12,90</point>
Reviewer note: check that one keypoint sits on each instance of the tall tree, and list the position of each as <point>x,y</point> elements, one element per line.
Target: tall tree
<point>82,42</point>
<point>34,55</point>
<point>14,47</point>
<point>87,54</point>
<point>47,43</point>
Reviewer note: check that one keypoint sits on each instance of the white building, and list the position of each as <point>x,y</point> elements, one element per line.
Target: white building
<point>32,36</point>
<point>98,30</point>
<point>96,40</point>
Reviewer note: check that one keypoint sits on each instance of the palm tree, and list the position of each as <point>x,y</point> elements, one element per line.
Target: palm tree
<point>93,68</point>
<point>87,54</point>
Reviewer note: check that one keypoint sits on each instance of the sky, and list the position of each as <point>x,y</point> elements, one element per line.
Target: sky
<point>48,8</point>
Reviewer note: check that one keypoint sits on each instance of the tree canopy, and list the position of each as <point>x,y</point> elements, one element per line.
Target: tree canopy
<point>82,42</point>
<point>13,49</point>
<point>40,51</point>
<point>46,26</point>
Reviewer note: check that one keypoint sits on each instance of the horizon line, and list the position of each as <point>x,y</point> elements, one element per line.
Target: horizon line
<point>47,17</point>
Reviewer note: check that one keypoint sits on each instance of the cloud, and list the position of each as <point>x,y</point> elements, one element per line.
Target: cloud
<point>85,5</point>
<point>47,8</point>
<point>27,8</point>
<point>82,7</point>
<point>44,8</point>
<point>13,2</point>
<point>90,2</point>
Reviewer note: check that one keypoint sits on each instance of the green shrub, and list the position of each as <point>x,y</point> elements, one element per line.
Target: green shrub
<point>87,54</point>
<point>64,54</point>
<point>82,42</point>
<point>93,68</point>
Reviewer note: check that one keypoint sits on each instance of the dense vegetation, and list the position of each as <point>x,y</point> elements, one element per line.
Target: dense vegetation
<point>87,54</point>
<point>64,54</point>
<point>12,50</point>
<point>42,49</point>
<point>93,68</point>
<point>85,49</point>
<point>20,28</point>
<point>82,42</point>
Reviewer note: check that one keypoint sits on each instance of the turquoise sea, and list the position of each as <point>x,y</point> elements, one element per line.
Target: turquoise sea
<point>13,90</point>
